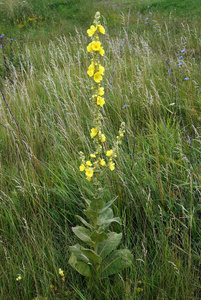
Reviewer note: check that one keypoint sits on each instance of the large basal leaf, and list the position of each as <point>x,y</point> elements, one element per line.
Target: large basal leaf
<point>98,237</point>
<point>94,258</point>
<point>81,267</point>
<point>83,234</point>
<point>109,245</point>
<point>116,262</point>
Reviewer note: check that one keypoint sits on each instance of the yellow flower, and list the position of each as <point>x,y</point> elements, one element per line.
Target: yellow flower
<point>109,153</point>
<point>111,166</point>
<point>19,278</point>
<point>100,101</point>
<point>20,26</point>
<point>90,71</point>
<point>92,30</point>
<point>93,132</point>
<point>89,178</point>
<point>101,70</point>
<point>88,163</point>
<point>82,167</point>
<point>102,162</point>
<point>96,45</point>
<point>121,135</point>
<point>89,172</point>
<point>97,77</point>
<point>93,155</point>
<point>89,47</point>
<point>101,29</point>
<point>101,91</point>
<point>103,138</point>
<point>61,272</point>
<point>101,51</point>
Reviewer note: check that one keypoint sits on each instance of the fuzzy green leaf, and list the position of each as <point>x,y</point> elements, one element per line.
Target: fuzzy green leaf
<point>78,253</point>
<point>115,262</point>
<point>91,255</point>
<point>97,204</point>
<point>84,222</point>
<point>91,214</point>
<point>98,237</point>
<point>81,267</point>
<point>106,218</point>
<point>109,245</point>
<point>83,234</point>
<point>108,204</point>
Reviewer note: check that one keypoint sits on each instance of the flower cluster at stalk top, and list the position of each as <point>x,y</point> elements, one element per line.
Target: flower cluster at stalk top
<point>100,159</point>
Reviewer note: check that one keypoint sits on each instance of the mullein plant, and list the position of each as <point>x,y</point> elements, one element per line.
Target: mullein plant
<point>100,257</point>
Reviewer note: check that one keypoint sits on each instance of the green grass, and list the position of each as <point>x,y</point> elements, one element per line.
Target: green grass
<point>157,181</point>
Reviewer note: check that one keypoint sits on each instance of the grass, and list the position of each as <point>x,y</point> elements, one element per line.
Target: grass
<point>43,74</point>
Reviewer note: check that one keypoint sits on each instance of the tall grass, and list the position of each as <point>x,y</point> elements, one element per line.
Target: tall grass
<point>158,178</point>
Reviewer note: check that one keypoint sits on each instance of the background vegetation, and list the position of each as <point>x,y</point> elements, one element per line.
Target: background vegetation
<point>152,83</point>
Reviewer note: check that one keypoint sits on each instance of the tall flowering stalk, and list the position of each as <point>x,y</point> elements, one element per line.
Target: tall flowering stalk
<point>100,259</point>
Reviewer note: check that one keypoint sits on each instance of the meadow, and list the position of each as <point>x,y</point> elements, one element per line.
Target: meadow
<point>152,83</point>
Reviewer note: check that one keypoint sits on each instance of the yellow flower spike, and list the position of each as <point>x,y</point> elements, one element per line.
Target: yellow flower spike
<point>94,132</point>
<point>109,153</point>
<point>82,167</point>
<point>89,172</point>
<point>93,155</point>
<point>100,101</point>
<point>92,30</point>
<point>112,166</point>
<point>101,70</point>
<point>89,47</point>
<point>97,77</point>
<point>101,91</point>
<point>89,178</point>
<point>102,162</point>
<point>101,51</point>
<point>96,45</point>
<point>88,163</point>
<point>115,156</point>
<point>121,135</point>
<point>92,88</point>
<point>101,29</point>
<point>103,138</point>
<point>117,137</point>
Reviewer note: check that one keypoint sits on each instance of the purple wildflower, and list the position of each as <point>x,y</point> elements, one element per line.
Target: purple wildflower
<point>169,70</point>
<point>186,78</point>
<point>182,51</point>
<point>125,105</point>
<point>180,57</point>
<point>180,63</point>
